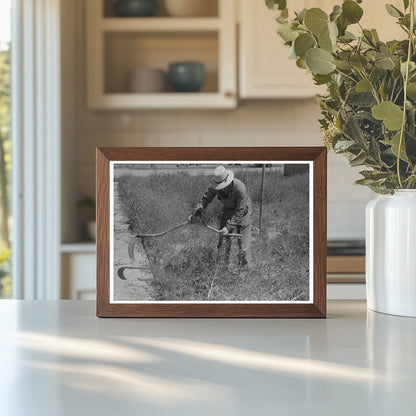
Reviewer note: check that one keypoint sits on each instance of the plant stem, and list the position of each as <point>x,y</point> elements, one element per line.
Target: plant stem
<point>373,88</point>
<point>346,75</point>
<point>405,81</point>
<point>392,91</point>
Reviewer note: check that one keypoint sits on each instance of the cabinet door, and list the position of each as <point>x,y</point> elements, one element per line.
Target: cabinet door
<point>78,276</point>
<point>265,68</point>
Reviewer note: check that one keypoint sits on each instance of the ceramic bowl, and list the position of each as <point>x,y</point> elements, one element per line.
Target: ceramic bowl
<point>135,8</point>
<point>186,76</point>
<point>147,80</point>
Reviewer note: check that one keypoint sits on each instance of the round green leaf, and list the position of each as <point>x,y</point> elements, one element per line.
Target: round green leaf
<point>363,86</point>
<point>325,42</point>
<point>336,12</point>
<point>411,90</point>
<point>393,11</point>
<point>319,61</point>
<point>344,65</point>
<point>301,15</point>
<point>391,114</point>
<point>322,79</point>
<point>303,43</point>
<point>342,25</point>
<point>316,20</point>
<point>351,11</point>
<point>384,62</point>
<point>347,37</point>
<point>358,61</point>
<point>333,32</point>
<point>412,67</point>
<point>328,38</point>
<point>375,35</point>
<point>276,4</point>
<point>287,33</point>
<point>301,63</point>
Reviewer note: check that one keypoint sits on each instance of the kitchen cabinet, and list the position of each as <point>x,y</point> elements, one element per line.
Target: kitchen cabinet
<point>78,262</point>
<point>265,70</point>
<point>118,45</point>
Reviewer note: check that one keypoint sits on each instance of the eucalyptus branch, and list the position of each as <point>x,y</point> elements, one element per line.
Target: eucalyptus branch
<point>373,88</point>
<point>358,45</point>
<point>406,79</point>
<point>404,28</point>
<point>392,90</point>
<point>340,47</point>
<point>346,75</point>
<point>363,60</point>
<point>369,40</point>
<point>398,95</point>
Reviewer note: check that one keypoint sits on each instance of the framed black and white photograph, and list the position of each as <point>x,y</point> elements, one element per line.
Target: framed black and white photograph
<point>211,232</point>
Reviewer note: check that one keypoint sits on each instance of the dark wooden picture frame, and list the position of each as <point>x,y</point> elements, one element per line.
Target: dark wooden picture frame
<point>315,309</point>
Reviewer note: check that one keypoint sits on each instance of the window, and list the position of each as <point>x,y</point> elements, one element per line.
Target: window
<point>5,147</point>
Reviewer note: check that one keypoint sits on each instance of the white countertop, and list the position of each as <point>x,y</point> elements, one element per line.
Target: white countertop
<point>57,358</point>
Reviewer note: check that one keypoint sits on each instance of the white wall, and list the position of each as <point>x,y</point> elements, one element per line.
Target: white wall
<point>254,123</point>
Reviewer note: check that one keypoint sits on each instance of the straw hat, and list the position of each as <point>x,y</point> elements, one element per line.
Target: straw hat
<point>222,177</point>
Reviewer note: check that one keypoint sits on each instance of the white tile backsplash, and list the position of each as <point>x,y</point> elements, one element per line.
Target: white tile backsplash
<point>208,119</point>
<point>147,120</point>
<point>346,219</point>
<point>174,138</point>
<point>341,180</point>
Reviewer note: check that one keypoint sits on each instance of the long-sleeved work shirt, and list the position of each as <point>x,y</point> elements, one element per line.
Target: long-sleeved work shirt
<point>237,202</point>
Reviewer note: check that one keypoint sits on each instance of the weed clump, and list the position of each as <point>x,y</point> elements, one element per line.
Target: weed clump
<point>185,263</point>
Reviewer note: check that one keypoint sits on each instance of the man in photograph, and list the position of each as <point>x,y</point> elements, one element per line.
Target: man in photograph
<point>236,213</point>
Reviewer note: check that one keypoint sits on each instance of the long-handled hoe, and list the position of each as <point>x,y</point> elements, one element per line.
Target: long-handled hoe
<point>136,239</point>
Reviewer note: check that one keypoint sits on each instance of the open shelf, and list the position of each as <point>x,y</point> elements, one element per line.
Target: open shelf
<point>210,9</point>
<point>167,100</point>
<point>87,247</point>
<point>116,46</point>
<point>160,24</point>
<point>126,51</point>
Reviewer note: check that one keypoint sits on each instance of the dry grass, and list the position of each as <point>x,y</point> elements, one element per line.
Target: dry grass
<point>185,263</point>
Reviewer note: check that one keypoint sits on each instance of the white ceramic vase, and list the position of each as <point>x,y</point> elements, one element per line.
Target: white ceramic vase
<point>391,253</point>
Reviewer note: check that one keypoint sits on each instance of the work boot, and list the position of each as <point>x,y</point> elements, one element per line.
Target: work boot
<point>244,259</point>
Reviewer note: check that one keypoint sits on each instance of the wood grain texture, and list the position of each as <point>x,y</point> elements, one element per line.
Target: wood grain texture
<point>187,154</point>
<point>346,264</point>
<point>317,309</point>
<point>103,231</point>
<point>319,230</point>
<point>345,278</point>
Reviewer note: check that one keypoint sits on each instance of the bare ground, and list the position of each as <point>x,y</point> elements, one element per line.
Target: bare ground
<point>137,274</point>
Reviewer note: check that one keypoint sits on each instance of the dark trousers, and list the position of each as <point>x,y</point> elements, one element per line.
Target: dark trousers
<point>244,242</point>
